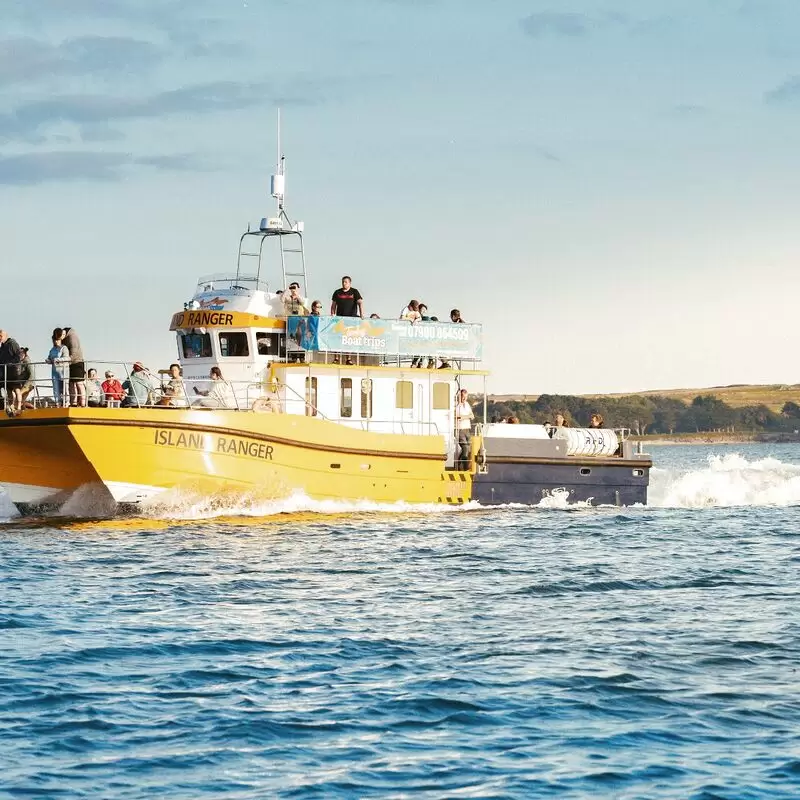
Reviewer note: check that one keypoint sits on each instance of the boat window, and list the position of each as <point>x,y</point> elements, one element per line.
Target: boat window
<point>404,396</point>
<point>268,343</point>
<point>311,397</point>
<point>346,397</point>
<point>233,343</point>
<point>196,345</point>
<point>441,395</point>
<point>366,398</point>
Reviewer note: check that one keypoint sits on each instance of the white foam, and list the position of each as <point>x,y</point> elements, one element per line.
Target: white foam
<point>559,498</point>
<point>8,510</point>
<point>728,480</point>
<point>183,505</point>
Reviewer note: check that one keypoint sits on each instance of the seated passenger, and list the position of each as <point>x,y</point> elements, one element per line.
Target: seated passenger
<point>596,420</point>
<point>316,308</point>
<point>140,387</point>
<point>173,391</point>
<point>220,395</point>
<point>94,390</point>
<point>294,305</point>
<point>112,388</point>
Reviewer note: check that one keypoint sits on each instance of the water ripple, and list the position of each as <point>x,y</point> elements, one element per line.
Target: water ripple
<point>515,653</point>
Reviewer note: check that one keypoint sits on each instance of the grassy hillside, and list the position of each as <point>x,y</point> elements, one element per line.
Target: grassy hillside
<point>772,395</point>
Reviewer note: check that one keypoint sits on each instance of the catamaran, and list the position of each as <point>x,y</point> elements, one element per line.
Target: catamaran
<point>331,407</point>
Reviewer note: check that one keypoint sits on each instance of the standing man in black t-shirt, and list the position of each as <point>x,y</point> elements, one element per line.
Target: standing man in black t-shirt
<point>347,301</point>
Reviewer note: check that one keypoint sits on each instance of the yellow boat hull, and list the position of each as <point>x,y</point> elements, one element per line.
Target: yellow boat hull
<point>47,455</point>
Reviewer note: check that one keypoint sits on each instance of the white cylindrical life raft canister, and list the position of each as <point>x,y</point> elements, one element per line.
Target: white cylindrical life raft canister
<point>588,441</point>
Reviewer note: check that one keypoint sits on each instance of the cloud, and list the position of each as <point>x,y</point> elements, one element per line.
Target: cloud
<point>96,112</point>
<point>27,60</point>
<point>59,166</point>
<point>787,93</point>
<point>556,23</point>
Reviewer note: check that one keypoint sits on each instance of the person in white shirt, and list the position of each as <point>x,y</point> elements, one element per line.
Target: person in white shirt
<point>464,417</point>
<point>220,395</point>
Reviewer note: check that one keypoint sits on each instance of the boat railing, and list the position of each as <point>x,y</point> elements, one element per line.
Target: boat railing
<point>231,282</point>
<point>35,380</point>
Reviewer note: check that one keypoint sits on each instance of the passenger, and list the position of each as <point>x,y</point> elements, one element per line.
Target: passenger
<point>139,388</point>
<point>59,358</point>
<point>294,304</point>
<point>596,420</point>
<point>77,368</point>
<point>220,395</point>
<point>347,301</point>
<point>94,390</point>
<point>26,377</point>
<point>173,391</point>
<point>316,308</point>
<point>464,417</point>
<point>11,373</point>
<point>411,312</point>
<point>112,389</point>
<point>455,316</point>
<point>374,316</point>
<point>423,313</point>
<point>561,421</point>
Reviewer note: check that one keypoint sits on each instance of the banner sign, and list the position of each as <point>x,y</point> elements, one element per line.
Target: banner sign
<point>385,337</point>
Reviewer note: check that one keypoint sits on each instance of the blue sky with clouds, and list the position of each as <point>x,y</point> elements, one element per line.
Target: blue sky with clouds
<point>610,187</point>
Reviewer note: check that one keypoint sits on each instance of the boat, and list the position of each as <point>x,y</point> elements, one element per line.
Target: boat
<point>329,407</point>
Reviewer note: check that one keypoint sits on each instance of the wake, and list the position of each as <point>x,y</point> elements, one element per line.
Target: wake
<point>727,481</point>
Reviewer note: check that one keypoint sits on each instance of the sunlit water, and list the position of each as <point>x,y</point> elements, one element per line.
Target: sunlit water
<point>304,651</point>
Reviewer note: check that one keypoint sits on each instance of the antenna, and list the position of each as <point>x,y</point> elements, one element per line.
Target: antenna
<point>278,180</point>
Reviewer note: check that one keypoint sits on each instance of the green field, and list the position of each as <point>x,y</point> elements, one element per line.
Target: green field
<point>771,395</point>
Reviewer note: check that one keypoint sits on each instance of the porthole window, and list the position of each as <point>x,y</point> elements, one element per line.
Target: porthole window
<point>638,473</point>
<point>586,471</point>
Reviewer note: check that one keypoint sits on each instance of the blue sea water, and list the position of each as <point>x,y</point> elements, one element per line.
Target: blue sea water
<point>333,652</point>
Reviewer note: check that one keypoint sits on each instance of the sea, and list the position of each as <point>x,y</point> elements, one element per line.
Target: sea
<point>292,649</point>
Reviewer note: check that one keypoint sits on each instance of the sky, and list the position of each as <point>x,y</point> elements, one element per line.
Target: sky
<point>611,188</point>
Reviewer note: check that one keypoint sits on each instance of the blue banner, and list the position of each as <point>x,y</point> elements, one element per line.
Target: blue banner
<point>385,337</point>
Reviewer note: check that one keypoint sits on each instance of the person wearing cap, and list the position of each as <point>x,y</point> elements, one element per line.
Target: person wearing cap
<point>294,304</point>
<point>140,387</point>
<point>112,388</point>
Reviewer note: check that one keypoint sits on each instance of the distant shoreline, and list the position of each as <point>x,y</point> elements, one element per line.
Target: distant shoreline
<point>717,438</point>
